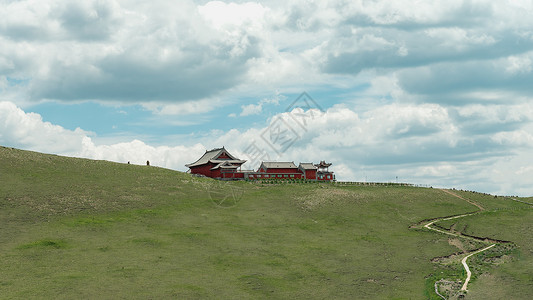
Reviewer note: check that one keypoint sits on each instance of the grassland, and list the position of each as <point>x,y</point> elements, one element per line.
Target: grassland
<point>510,264</point>
<point>76,228</point>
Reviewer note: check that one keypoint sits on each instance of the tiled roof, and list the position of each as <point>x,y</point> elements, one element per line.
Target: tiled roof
<point>209,156</point>
<point>323,164</point>
<point>225,165</point>
<point>278,165</point>
<point>233,161</point>
<point>307,166</point>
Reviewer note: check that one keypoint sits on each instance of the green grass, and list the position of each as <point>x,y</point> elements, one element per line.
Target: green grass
<point>490,202</point>
<point>503,272</point>
<point>45,244</point>
<point>76,228</point>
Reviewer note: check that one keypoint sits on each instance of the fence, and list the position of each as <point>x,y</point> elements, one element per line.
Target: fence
<point>338,183</point>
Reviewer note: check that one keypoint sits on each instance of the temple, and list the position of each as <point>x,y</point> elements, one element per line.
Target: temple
<point>220,164</point>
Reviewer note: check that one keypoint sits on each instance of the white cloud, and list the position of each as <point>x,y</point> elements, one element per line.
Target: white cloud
<point>223,15</point>
<point>417,143</point>
<point>519,64</point>
<point>255,109</point>
<point>518,138</point>
<point>121,50</point>
<point>459,38</point>
<point>184,108</point>
<point>181,51</point>
<point>438,170</point>
<point>251,109</point>
<point>512,175</point>
<point>137,152</point>
<point>28,131</point>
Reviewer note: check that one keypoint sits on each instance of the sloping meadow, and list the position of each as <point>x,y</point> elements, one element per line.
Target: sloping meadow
<point>76,228</point>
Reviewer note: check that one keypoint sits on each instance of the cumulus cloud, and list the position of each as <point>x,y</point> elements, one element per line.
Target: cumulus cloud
<point>28,131</point>
<point>251,109</point>
<point>183,108</point>
<point>443,51</point>
<point>255,109</point>
<point>127,51</point>
<point>395,48</point>
<point>137,152</point>
<point>458,82</point>
<point>425,143</point>
<point>230,16</point>
<point>418,143</point>
<point>122,51</point>
<point>88,20</point>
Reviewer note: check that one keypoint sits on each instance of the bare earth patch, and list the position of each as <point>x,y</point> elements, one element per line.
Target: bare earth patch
<point>326,196</point>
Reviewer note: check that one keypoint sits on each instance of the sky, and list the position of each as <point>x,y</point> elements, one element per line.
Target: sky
<point>433,93</point>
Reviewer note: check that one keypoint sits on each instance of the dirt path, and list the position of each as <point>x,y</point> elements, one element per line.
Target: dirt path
<point>463,261</point>
<point>468,273</point>
<point>428,225</point>
<point>467,269</point>
<point>481,208</point>
<point>450,232</point>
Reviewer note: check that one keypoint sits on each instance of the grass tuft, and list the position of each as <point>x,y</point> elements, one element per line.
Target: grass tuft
<point>45,244</point>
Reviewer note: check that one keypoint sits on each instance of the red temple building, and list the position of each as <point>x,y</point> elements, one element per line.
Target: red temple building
<point>308,170</point>
<point>323,173</point>
<point>276,170</point>
<point>220,164</point>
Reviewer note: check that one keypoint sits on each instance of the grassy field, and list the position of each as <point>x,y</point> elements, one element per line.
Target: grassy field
<point>506,271</point>
<point>76,228</point>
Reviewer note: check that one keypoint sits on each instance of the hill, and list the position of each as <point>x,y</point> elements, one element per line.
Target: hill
<point>78,228</point>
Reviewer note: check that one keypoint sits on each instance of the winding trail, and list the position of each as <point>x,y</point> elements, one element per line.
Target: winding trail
<point>481,208</point>
<point>463,261</point>
<point>468,273</point>
<point>428,225</point>
<point>437,289</point>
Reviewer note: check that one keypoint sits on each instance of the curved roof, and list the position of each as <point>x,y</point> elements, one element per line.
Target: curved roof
<point>307,166</point>
<point>225,165</point>
<point>278,165</point>
<point>212,155</point>
<point>323,164</point>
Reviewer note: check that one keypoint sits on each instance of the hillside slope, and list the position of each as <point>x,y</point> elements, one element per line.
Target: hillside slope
<point>77,228</point>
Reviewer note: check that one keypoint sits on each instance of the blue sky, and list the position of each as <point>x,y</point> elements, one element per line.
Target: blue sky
<point>429,92</point>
